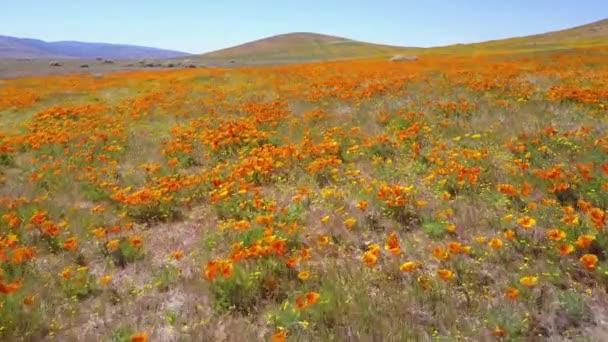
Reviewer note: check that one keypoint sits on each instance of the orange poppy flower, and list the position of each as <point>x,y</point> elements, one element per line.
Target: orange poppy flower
<point>177,255</point>
<point>105,280</point>
<point>362,205</point>
<point>450,228</point>
<point>66,273</point>
<point>10,288</point>
<point>370,258</point>
<point>499,332</point>
<point>512,293</point>
<point>556,234</point>
<point>136,241</point>
<point>304,275</point>
<point>323,240</point>
<point>71,243</point>
<point>392,245</point>
<point>440,253</point>
<point>279,336</point>
<point>589,261</point>
<point>584,241</point>
<point>410,266</point>
<point>565,249</point>
<point>139,337</point>
<point>495,243</point>
<point>454,247</point>
<point>526,222</point>
<point>113,244</point>
<point>445,274</point>
<point>312,297</point>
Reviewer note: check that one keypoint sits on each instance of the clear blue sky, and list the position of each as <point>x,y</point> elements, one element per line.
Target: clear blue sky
<point>205,25</point>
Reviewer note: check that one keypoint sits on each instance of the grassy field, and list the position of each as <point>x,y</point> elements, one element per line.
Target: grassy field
<point>449,198</point>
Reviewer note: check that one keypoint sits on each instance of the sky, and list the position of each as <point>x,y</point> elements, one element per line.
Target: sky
<point>198,26</point>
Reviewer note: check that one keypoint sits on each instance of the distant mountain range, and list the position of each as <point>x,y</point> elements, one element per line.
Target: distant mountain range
<point>18,48</point>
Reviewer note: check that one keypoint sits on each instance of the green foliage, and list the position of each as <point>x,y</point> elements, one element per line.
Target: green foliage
<point>158,212</point>
<point>244,291</point>
<point>574,307</point>
<point>80,284</point>
<point>93,193</point>
<point>6,160</point>
<point>165,277</point>
<point>434,229</point>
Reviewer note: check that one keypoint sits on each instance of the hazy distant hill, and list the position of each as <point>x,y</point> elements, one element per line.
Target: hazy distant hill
<point>11,47</point>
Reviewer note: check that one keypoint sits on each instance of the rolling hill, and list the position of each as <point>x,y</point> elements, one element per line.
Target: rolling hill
<point>588,35</point>
<point>307,47</point>
<point>299,47</point>
<point>14,48</point>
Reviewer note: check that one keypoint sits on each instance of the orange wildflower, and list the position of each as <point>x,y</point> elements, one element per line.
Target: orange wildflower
<point>526,222</point>
<point>139,337</point>
<point>323,240</point>
<point>136,241</point>
<point>71,243</point>
<point>556,234</point>
<point>177,255</point>
<point>570,220</point>
<point>227,269</point>
<point>279,336</point>
<point>362,205</point>
<point>29,300</point>
<point>450,227</point>
<point>11,287</point>
<point>99,233</point>
<point>589,261</point>
<point>495,243</point>
<point>370,258</point>
<point>410,266</point>
<point>598,217</point>
<point>440,253</point>
<point>173,162</point>
<point>584,241</point>
<point>454,247</point>
<point>512,293</point>
<point>312,297</point>
<point>242,225</point>
<point>112,245</point>
<point>66,273</point>
<point>293,262</point>
<point>105,280</point>
<point>445,274</point>
<point>499,332</point>
<point>304,275</point>
<point>565,249</point>
<point>392,245</point>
